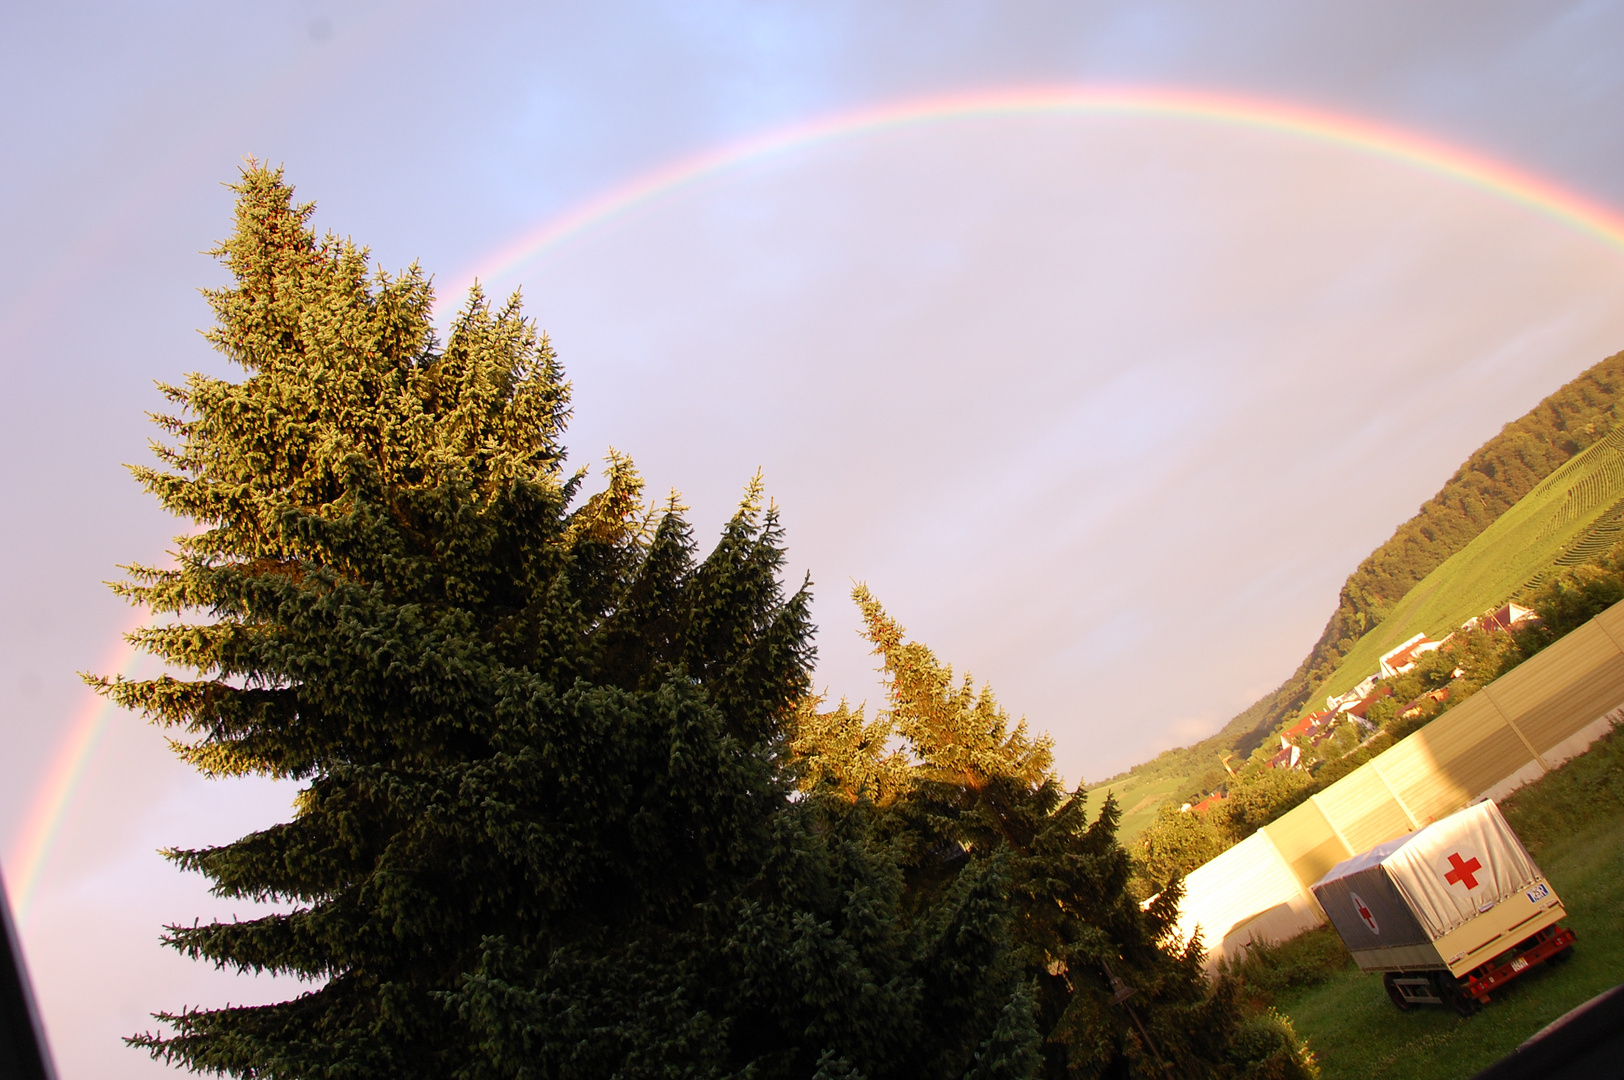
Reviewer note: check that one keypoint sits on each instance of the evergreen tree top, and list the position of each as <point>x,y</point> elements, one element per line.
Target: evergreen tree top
<point>518,715</point>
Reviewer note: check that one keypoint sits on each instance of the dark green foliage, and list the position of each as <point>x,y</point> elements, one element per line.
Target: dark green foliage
<point>1267,971</point>
<point>545,827</point>
<point>1329,772</point>
<point>1179,841</point>
<point>1572,596</point>
<point>814,967</point>
<point>1267,1048</point>
<point>973,799</point>
<point>547,824</point>
<point>1263,795</point>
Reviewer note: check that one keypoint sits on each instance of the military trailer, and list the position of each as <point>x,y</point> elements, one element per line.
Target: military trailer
<point>1447,913</point>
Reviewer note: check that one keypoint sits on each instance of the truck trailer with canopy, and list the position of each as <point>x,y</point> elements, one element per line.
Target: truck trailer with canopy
<point>1448,912</point>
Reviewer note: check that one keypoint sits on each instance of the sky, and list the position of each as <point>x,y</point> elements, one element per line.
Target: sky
<point>1103,403</point>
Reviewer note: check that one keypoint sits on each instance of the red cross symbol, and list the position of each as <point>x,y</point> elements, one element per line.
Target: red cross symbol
<point>1462,871</point>
<point>1365,913</point>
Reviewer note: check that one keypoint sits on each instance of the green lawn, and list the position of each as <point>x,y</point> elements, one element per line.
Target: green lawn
<point>1573,822</point>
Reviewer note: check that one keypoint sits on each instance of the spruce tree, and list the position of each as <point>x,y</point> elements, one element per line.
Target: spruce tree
<point>1107,991</point>
<point>546,823</point>
<point>520,718</point>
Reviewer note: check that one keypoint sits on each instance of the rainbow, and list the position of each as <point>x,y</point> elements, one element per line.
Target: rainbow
<point>1338,129</point>
<point>61,782</point>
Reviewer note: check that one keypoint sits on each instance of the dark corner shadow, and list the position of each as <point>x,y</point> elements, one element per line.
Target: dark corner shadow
<point>1584,1042</point>
<point>23,1053</point>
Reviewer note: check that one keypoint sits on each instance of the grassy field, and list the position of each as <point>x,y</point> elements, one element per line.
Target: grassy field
<point>1572,515</point>
<point>1138,798</point>
<point>1573,822</point>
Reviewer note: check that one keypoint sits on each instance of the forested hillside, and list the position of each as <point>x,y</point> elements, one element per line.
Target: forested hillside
<point>1490,482</point>
<point>1502,471</point>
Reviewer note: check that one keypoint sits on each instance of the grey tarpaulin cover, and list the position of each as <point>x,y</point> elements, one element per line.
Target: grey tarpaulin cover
<point>1452,869</point>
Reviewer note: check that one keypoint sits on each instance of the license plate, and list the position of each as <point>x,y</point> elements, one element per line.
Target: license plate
<point>1538,893</point>
<point>1518,964</point>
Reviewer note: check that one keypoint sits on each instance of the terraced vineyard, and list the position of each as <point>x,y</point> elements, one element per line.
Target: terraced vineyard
<point>1547,491</point>
<point>1567,519</point>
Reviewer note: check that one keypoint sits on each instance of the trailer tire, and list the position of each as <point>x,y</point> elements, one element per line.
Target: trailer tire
<point>1450,990</point>
<point>1560,957</point>
<point>1403,1003</point>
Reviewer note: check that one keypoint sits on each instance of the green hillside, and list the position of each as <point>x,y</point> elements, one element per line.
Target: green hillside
<point>1405,582</point>
<point>1499,474</point>
<point>1570,517</point>
<point>1139,797</point>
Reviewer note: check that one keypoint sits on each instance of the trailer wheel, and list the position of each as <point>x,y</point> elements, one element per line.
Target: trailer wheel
<point>1561,956</point>
<point>1404,1004</point>
<point>1450,990</point>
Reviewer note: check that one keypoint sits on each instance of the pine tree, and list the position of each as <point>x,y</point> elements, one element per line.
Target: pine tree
<point>523,722</point>
<point>546,823</point>
<point>976,795</point>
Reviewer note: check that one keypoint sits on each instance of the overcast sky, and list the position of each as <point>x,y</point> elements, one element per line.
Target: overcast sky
<point>1103,408</point>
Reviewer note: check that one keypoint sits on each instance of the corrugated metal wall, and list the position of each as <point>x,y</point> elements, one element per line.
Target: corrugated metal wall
<point>1512,731</point>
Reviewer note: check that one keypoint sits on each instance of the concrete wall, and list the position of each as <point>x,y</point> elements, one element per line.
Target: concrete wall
<point>1527,722</point>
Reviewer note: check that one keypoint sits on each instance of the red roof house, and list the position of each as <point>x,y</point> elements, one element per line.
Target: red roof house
<point>1403,658</point>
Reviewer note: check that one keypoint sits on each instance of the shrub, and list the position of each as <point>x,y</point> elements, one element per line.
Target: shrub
<point>1267,1047</point>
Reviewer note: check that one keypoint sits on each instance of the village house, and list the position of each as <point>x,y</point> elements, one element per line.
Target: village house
<point>1355,703</point>
<point>1287,757</point>
<point>1354,696</point>
<point>1360,708</point>
<point>1403,658</point>
<point>1314,724</point>
<point>1204,805</point>
<point>1507,617</point>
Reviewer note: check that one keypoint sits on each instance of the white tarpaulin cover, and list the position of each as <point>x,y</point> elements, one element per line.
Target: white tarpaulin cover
<point>1457,867</point>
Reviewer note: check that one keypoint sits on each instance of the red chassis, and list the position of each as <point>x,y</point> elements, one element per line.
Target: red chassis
<point>1469,992</point>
